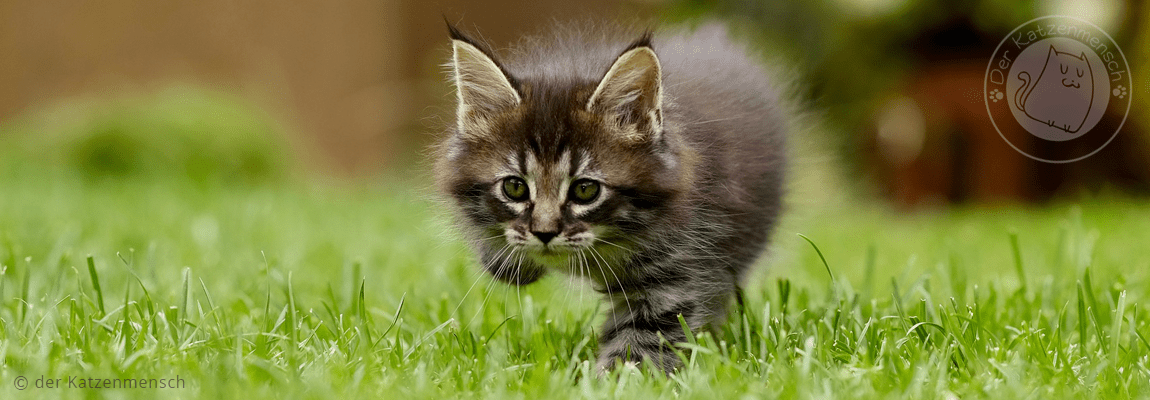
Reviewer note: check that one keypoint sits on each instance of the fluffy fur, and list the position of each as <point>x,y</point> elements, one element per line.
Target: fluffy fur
<point>682,136</point>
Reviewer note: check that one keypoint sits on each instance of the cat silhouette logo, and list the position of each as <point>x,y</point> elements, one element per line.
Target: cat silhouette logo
<point>1058,79</point>
<point>1064,97</point>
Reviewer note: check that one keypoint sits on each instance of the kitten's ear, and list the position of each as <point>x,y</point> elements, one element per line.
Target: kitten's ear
<point>632,91</point>
<point>482,86</point>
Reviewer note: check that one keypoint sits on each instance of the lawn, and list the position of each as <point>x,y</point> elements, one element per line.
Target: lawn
<point>300,287</point>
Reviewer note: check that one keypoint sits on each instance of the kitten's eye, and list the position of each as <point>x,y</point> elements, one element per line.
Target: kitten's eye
<point>1062,68</point>
<point>1079,73</point>
<point>515,189</point>
<point>584,191</point>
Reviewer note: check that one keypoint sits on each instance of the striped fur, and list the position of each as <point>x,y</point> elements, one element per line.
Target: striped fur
<point>684,136</point>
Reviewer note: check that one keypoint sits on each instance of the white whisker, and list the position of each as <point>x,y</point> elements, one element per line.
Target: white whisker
<point>487,288</point>
<point>626,298</point>
<point>478,275</point>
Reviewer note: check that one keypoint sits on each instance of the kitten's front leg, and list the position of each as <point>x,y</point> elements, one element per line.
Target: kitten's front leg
<point>637,320</point>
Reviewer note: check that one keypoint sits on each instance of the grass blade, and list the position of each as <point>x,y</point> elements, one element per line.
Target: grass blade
<point>1116,331</point>
<point>96,284</point>
<point>820,253</point>
<point>1014,247</point>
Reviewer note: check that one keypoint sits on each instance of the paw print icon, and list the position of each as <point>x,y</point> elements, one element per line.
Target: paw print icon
<point>995,95</point>
<point>1119,92</point>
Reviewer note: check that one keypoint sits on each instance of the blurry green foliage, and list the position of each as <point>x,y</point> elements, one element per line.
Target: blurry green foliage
<point>177,133</point>
<point>849,54</point>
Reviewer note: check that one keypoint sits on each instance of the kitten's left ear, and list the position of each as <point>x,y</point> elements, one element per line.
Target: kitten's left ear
<point>632,91</point>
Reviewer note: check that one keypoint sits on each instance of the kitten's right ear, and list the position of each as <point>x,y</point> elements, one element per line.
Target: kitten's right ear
<point>481,85</point>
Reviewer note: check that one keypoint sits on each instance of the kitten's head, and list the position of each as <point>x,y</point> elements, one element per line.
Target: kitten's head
<point>1074,71</point>
<point>552,167</point>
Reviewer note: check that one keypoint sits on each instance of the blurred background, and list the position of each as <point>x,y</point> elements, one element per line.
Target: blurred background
<point>224,91</point>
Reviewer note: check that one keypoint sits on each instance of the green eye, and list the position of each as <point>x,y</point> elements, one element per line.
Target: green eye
<point>515,189</point>
<point>584,191</point>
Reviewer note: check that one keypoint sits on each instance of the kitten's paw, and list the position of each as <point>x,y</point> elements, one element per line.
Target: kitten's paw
<point>666,361</point>
<point>608,364</point>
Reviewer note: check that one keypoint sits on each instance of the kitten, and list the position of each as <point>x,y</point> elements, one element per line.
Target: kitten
<point>1062,94</point>
<point>652,166</point>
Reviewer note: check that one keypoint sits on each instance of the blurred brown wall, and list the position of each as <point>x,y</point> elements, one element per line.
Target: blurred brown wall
<point>356,80</point>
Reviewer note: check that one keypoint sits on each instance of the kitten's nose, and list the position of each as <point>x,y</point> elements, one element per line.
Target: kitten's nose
<point>545,236</point>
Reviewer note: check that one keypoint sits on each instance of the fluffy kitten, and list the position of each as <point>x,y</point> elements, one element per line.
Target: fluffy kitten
<point>650,165</point>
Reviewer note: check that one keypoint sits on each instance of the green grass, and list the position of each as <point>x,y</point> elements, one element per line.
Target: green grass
<point>315,291</point>
<point>278,288</point>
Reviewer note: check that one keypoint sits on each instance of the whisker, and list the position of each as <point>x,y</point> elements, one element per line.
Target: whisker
<point>626,298</point>
<point>584,266</point>
<point>602,273</point>
<point>613,244</point>
<point>498,272</point>
<point>479,275</point>
<point>501,235</point>
<point>518,281</point>
<point>570,267</point>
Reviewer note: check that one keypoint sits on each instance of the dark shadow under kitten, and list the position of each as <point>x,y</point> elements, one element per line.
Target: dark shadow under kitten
<point>650,164</point>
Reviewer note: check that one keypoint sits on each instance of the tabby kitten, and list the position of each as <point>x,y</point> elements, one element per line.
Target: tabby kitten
<point>652,166</point>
